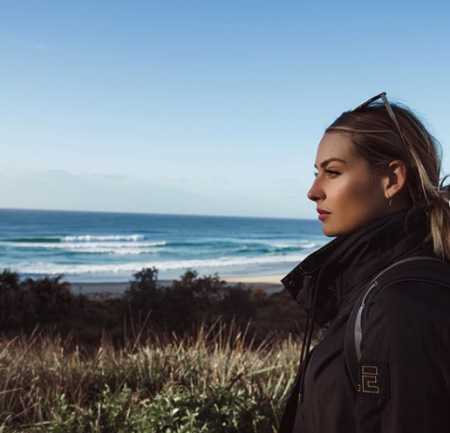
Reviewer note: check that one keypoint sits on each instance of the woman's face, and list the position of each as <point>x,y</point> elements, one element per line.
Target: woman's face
<point>346,187</point>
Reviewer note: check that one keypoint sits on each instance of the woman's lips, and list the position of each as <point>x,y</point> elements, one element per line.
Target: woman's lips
<point>323,216</point>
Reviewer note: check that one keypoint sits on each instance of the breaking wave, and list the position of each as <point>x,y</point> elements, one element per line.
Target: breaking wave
<point>41,268</point>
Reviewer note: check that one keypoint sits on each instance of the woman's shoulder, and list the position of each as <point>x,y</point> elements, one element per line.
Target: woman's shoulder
<point>423,292</point>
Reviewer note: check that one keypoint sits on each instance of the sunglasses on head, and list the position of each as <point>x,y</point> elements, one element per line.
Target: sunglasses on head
<point>389,109</point>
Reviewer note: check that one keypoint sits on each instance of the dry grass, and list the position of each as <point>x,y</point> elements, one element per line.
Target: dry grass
<point>216,381</point>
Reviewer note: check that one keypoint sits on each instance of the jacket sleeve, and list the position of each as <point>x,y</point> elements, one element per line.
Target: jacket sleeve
<point>404,366</point>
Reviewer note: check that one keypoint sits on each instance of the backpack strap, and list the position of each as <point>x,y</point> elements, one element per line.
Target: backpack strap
<point>410,268</point>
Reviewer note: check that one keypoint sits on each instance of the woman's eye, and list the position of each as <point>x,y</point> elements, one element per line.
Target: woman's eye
<point>331,173</point>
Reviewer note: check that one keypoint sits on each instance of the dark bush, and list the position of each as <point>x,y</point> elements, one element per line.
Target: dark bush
<point>145,309</point>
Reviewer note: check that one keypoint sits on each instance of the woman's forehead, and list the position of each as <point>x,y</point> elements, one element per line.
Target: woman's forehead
<point>335,146</point>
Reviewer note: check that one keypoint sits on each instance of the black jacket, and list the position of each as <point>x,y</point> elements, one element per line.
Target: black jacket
<point>407,335</point>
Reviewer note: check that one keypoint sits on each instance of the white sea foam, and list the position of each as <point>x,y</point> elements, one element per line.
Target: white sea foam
<point>107,238</point>
<point>281,243</point>
<point>119,248</point>
<point>304,245</point>
<point>123,268</point>
<point>122,246</point>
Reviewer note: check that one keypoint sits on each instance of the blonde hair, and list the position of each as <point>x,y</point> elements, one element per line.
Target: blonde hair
<point>376,139</point>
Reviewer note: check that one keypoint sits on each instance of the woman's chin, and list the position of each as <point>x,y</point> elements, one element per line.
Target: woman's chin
<point>329,230</point>
<point>329,233</point>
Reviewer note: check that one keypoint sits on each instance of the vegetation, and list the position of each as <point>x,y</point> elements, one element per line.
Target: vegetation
<point>196,356</point>
<point>179,308</point>
<point>213,381</point>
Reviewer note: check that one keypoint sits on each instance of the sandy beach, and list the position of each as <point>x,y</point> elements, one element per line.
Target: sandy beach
<point>267,279</point>
<point>270,284</point>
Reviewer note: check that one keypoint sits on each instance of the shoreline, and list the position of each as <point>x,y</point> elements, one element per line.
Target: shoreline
<point>269,283</point>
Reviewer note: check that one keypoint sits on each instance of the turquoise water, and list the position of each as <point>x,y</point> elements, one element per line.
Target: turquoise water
<point>107,247</point>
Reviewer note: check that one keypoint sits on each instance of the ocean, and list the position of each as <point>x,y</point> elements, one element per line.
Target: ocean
<point>111,247</point>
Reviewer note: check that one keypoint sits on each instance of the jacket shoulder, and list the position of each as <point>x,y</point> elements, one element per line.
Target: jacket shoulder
<point>424,274</point>
<point>421,299</point>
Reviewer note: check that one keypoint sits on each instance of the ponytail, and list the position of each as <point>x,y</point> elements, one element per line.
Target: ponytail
<point>439,221</point>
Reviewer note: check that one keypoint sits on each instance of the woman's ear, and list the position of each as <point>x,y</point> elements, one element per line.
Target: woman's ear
<point>394,178</point>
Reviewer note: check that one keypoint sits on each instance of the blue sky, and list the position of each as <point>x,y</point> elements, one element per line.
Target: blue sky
<point>200,107</point>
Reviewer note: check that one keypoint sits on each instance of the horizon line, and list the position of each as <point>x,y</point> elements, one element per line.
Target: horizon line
<point>152,213</point>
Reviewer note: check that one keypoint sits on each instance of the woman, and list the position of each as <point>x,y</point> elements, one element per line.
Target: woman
<point>377,192</point>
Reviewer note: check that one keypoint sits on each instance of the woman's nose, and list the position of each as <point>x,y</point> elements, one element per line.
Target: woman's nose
<point>315,192</point>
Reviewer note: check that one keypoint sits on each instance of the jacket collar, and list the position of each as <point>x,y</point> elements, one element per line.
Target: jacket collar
<point>346,263</point>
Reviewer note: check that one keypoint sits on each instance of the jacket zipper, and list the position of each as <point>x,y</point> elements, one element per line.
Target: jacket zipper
<point>303,375</point>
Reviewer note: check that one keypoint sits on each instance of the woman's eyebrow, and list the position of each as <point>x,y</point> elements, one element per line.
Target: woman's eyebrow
<point>324,163</point>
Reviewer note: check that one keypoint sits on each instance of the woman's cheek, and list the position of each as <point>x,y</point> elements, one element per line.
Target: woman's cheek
<point>356,188</point>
